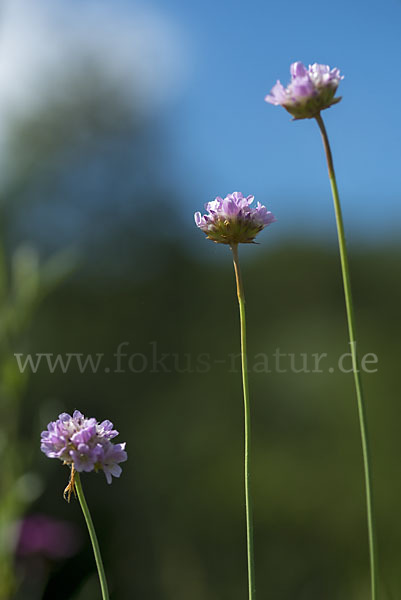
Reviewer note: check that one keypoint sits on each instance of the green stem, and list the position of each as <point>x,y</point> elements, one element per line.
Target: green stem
<point>92,535</point>
<point>355,362</point>
<point>248,498</point>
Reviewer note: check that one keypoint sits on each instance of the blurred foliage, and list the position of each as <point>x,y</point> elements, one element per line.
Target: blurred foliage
<point>23,284</point>
<point>88,173</point>
<point>173,525</point>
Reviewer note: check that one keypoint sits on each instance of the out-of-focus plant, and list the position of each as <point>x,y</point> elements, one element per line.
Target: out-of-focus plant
<point>23,285</point>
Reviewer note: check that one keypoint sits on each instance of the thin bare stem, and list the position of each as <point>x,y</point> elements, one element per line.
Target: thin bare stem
<point>248,495</point>
<point>355,362</point>
<point>92,535</point>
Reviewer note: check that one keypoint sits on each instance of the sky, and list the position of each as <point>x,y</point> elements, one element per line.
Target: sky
<point>231,139</point>
<point>205,69</point>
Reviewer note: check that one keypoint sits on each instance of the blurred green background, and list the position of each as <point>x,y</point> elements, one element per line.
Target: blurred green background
<point>100,249</point>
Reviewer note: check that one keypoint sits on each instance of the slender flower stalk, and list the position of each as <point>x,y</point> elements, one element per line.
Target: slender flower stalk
<point>247,413</point>
<point>232,221</point>
<point>92,535</point>
<point>309,92</point>
<point>355,361</point>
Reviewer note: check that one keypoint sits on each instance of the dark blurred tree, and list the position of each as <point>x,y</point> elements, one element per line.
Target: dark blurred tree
<point>79,174</point>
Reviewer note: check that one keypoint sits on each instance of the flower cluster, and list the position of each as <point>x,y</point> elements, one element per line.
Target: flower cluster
<point>84,443</point>
<point>232,220</point>
<point>310,90</point>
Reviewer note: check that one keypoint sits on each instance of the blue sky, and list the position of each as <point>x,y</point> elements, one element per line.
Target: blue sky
<point>226,138</point>
<point>203,69</point>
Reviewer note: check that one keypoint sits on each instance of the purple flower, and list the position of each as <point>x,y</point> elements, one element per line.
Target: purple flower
<point>84,443</point>
<point>40,534</point>
<point>310,90</point>
<point>231,220</point>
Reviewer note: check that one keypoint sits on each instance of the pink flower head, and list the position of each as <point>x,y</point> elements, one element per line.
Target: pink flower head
<point>84,443</point>
<point>309,91</point>
<point>232,220</point>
